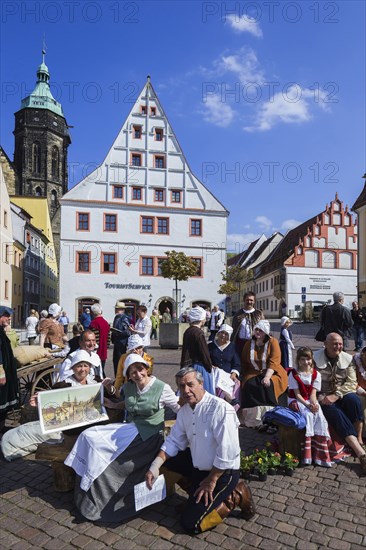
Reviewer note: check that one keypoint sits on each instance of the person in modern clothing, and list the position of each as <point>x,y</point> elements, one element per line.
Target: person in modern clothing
<point>155,322</point>
<point>64,320</point>
<point>142,326</point>
<point>264,380</point>
<point>337,318</point>
<point>244,322</point>
<point>31,324</point>
<point>101,326</point>
<point>110,460</point>
<point>217,318</point>
<point>286,344</point>
<point>338,399</point>
<point>167,317</point>
<point>85,318</point>
<point>359,323</point>
<point>195,349</point>
<point>206,452</point>
<point>120,333</point>
<point>9,395</point>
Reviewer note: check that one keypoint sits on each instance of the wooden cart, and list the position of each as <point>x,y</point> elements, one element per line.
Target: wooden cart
<point>37,376</point>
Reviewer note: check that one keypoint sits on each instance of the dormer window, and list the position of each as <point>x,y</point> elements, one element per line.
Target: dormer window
<point>137,131</point>
<point>159,134</point>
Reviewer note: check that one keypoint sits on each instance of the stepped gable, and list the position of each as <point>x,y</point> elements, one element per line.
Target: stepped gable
<point>286,252</point>
<point>146,154</point>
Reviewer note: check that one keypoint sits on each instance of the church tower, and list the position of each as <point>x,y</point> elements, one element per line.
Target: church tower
<point>41,142</point>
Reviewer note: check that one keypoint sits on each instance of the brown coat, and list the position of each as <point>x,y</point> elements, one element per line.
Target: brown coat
<point>273,361</point>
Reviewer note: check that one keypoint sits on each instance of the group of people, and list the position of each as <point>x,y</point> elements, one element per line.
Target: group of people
<point>338,318</point>
<point>235,378</point>
<point>34,322</point>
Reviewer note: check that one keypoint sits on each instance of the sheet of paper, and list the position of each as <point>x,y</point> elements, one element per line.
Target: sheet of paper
<point>223,381</point>
<point>145,497</point>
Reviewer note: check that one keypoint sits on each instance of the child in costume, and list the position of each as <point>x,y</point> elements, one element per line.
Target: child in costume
<point>304,382</point>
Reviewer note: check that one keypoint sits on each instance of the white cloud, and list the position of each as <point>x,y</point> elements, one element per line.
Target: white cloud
<point>237,242</point>
<point>292,106</point>
<point>245,24</point>
<point>264,223</point>
<point>217,112</point>
<point>244,65</point>
<point>289,224</point>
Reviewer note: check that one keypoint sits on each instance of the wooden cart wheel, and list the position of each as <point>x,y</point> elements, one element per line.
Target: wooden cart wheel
<point>25,387</point>
<point>46,379</point>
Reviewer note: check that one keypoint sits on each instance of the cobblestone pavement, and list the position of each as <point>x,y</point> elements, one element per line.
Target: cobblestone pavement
<point>316,508</point>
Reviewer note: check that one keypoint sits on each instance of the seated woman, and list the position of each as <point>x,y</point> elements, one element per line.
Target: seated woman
<point>135,344</point>
<point>359,360</point>
<point>225,358</point>
<point>110,460</point>
<point>25,439</point>
<point>264,380</point>
<point>304,382</point>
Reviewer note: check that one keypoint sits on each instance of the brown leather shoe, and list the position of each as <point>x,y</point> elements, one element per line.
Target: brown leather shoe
<point>242,498</point>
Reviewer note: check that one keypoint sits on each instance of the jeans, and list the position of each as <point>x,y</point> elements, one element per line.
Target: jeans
<point>358,335</point>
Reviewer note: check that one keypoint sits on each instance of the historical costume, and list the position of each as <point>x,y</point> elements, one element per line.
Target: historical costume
<point>317,434</point>
<point>195,349</point>
<point>8,375</point>
<point>286,344</point>
<point>110,460</point>
<point>264,381</point>
<point>243,324</point>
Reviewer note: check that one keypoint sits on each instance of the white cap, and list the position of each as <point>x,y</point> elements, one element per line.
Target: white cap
<point>54,310</point>
<point>226,328</point>
<point>80,356</point>
<point>196,314</point>
<point>264,325</point>
<point>131,359</point>
<point>135,341</point>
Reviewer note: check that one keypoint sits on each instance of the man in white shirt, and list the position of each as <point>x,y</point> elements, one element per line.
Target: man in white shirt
<point>142,326</point>
<point>204,446</point>
<point>244,321</point>
<point>89,344</point>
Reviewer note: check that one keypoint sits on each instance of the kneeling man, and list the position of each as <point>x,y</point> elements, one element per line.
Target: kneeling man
<point>204,446</point>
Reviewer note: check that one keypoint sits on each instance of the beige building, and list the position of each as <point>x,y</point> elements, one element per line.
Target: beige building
<point>360,208</point>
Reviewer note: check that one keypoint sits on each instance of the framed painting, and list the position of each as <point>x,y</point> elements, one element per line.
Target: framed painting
<point>71,407</point>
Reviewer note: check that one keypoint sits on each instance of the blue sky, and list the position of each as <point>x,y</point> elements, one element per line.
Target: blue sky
<point>267,99</point>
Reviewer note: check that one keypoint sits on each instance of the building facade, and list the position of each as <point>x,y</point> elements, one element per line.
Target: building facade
<point>312,261</point>
<point>41,142</point>
<point>6,244</point>
<point>142,201</point>
<point>360,208</point>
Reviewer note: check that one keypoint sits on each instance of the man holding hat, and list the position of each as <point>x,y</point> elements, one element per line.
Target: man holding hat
<point>120,333</point>
<point>195,351</point>
<point>8,373</point>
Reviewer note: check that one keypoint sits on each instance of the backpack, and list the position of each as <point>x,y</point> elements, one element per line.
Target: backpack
<point>286,417</point>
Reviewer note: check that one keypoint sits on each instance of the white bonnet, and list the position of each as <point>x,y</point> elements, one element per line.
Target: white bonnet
<point>264,325</point>
<point>196,314</point>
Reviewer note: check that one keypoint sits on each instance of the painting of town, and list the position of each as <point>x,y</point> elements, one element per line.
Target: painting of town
<point>71,407</point>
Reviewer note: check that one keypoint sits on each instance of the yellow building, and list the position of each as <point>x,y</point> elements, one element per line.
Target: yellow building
<point>6,244</point>
<point>37,207</point>
<point>360,208</point>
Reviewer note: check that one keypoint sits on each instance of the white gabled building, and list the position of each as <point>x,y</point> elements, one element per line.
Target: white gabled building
<point>142,201</point>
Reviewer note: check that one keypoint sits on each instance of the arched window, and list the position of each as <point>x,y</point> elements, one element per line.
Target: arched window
<point>38,192</point>
<point>36,159</point>
<point>55,162</point>
<point>53,198</point>
<point>329,259</point>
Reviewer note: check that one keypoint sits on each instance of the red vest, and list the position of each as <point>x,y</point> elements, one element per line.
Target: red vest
<point>305,391</point>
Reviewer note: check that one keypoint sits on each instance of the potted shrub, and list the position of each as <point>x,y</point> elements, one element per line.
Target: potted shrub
<point>262,468</point>
<point>246,465</point>
<point>289,463</point>
<point>274,460</point>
